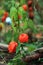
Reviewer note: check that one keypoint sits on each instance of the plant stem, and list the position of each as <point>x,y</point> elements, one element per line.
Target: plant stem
<point>12,2</point>
<point>18,22</point>
<point>14,29</point>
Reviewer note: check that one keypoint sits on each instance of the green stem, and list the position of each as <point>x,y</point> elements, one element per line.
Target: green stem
<point>18,21</point>
<point>12,2</point>
<point>14,28</point>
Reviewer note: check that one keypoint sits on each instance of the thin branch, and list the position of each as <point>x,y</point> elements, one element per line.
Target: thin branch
<point>33,57</point>
<point>3,45</point>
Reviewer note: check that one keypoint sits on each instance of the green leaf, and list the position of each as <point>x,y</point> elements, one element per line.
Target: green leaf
<point>26,44</point>
<point>25,22</point>
<point>22,2</point>
<point>18,48</point>
<point>31,47</point>
<point>17,4</point>
<point>40,3</point>
<point>13,13</point>
<point>37,18</point>
<point>8,36</point>
<point>1,12</point>
<point>22,12</point>
<point>32,26</point>
<point>16,36</point>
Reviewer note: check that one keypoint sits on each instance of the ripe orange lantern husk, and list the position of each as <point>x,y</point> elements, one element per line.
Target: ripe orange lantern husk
<point>29,2</point>
<point>12,47</point>
<point>23,38</point>
<point>30,9</point>
<point>19,16</point>
<point>6,14</point>
<point>31,15</point>
<point>25,7</point>
<point>3,19</point>
<point>38,35</point>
